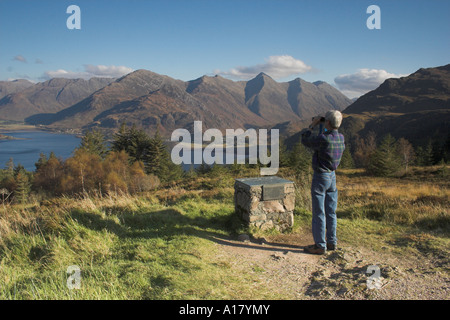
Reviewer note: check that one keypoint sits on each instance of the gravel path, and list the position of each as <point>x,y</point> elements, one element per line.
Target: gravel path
<point>346,273</point>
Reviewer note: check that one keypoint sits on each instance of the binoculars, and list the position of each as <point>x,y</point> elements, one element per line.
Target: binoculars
<point>317,120</point>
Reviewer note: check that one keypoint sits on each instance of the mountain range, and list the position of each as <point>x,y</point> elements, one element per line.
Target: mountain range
<point>47,97</point>
<point>153,101</point>
<point>9,87</point>
<point>416,107</point>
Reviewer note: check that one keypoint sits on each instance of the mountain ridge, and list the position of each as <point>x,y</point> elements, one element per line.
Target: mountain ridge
<point>48,97</point>
<point>415,107</point>
<point>9,87</point>
<point>155,101</point>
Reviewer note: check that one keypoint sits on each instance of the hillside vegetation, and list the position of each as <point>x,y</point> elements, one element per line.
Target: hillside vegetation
<point>138,227</point>
<point>168,243</point>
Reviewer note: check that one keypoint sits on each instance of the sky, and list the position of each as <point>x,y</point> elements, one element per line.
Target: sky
<point>315,40</point>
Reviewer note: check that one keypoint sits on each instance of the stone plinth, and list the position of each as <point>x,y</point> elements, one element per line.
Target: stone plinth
<point>265,202</point>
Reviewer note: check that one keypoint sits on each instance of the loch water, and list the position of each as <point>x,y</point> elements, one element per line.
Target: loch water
<point>28,146</point>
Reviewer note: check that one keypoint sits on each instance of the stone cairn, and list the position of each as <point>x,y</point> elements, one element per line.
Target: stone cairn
<point>265,202</point>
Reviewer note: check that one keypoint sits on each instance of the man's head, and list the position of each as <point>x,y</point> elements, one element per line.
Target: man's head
<point>333,118</point>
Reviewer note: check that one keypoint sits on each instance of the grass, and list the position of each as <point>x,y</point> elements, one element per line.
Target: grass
<point>408,214</point>
<point>162,245</point>
<point>127,247</point>
<point>397,200</point>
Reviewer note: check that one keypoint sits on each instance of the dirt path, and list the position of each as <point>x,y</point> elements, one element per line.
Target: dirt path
<point>346,273</point>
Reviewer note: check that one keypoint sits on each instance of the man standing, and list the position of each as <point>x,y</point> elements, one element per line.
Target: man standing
<point>328,147</point>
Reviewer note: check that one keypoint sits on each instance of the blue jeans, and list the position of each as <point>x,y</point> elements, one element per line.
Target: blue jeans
<point>324,197</point>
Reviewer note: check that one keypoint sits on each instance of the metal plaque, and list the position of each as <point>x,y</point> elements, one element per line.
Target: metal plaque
<point>272,192</point>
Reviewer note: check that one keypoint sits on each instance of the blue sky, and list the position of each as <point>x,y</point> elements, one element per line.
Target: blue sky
<point>313,40</point>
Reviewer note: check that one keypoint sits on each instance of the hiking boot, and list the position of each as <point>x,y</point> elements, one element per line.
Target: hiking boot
<point>314,249</point>
<point>331,246</point>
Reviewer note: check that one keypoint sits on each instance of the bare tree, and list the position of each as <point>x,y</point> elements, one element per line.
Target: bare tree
<point>406,151</point>
<point>365,148</point>
<point>4,192</point>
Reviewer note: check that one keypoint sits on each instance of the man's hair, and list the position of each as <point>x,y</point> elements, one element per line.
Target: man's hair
<point>335,118</point>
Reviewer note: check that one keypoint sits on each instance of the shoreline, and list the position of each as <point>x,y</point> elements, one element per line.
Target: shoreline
<point>8,127</point>
<point>5,137</point>
<point>20,127</point>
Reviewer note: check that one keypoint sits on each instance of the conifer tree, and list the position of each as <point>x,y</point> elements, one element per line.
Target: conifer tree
<point>157,155</point>
<point>120,141</point>
<point>425,154</point>
<point>94,142</point>
<point>347,159</point>
<point>8,180</point>
<point>428,154</point>
<point>19,168</point>
<point>150,151</point>
<point>41,161</point>
<point>385,161</point>
<point>134,141</point>
<point>447,149</point>
<point>23,186</point>
<point>159,163</point>
<point>283,154</point>
<point>437,151</point>
<point>300,158</point>
<point>10,167</point>
<point>139,144</point>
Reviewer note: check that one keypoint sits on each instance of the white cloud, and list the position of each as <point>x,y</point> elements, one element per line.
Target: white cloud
<point>90,72</point>
<point>61,73</point>
<point>275,66</point>
<point>20,58</point>
<point>107,71</point>
<point>363,81</point>
<point>22,78</point>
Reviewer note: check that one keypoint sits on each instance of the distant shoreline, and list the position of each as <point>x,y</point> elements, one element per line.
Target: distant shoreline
<point>7,127</point>
<point>5,137</point>
<point>16,127</point>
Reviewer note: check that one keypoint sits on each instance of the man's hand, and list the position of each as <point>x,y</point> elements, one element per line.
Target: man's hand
<point>314,123</point>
